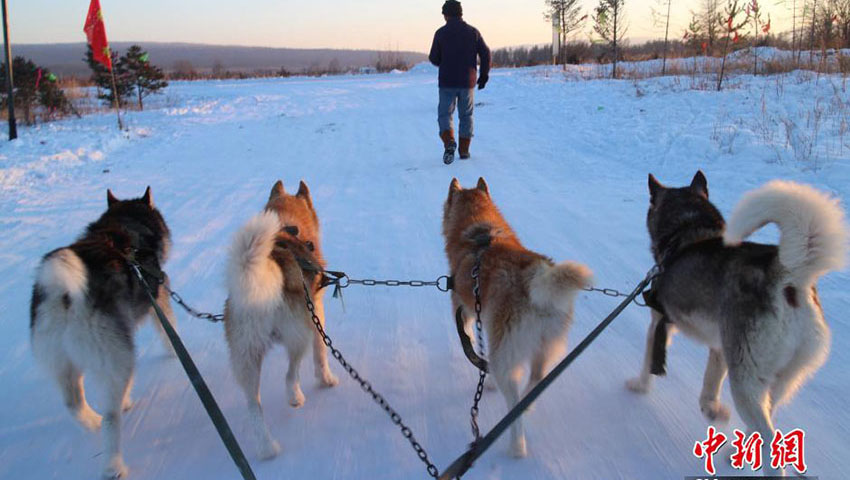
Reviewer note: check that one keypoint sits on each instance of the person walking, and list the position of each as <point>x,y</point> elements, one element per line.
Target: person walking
<point>456,49</point>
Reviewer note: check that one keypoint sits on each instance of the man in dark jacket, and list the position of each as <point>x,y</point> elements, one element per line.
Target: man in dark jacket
<point>456,49</point>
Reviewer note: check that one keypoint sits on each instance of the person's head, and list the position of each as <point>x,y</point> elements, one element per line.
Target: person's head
<point>452,9</point>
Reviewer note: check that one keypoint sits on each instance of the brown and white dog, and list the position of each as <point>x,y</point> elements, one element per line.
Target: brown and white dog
<point>266,300</point>
<point>527,299</point>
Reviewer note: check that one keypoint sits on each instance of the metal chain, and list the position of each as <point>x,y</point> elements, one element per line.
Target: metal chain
<point>613,293</point>
<point>482,374</point>
<point>211,317</point>
<point>369,282</point>
<point>367,387</point>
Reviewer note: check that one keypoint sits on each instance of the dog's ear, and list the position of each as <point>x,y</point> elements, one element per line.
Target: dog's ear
<point>454,187</point>
<point>304,192</point>
<point>699,184</point>
<point>654,187</point>
<point>148,197</point>
<point>277,191</point>
<point>482,185</point>
<point>110,198</point>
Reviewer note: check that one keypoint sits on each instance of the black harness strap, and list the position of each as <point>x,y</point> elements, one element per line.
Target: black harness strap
<point>466,342</point>
<point>198,383</point>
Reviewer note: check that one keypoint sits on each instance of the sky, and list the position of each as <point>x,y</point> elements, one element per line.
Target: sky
<point>365,24</point>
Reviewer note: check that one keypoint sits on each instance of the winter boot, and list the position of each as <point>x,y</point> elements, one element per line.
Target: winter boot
<point>463,149</point>
<point>448,137</point>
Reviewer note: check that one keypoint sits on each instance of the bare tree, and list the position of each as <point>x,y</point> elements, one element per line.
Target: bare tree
<point>711,21</point>
<point>567,14</point>
<point>657,18</point>
<point>609,23</point>
<point>732,24</point>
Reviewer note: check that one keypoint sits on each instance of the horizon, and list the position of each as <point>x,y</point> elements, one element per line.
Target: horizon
<point>379,25</point>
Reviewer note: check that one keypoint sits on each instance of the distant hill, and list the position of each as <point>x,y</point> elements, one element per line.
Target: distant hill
<point>67,58</point>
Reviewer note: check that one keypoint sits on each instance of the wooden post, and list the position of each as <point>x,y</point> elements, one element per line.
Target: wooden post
<point>10,86</point>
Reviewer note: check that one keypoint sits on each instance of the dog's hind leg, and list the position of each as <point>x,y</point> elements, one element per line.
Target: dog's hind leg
<point>116,376</point>
<point>296,351</point>
<point>49,352</point>
<point>247,362</point>
<point>709,399</point>
<point>643,382</point>
<point>163,301</point>
<point>752,402</point>
<point>320,351</point>
<point>508,379</point>
<point>808,358</point>
<point>551,348</point>
<point>70,381</point>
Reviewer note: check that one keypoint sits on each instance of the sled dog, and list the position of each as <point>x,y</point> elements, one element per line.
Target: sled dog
<point>755,306</point>
<point>527,299</point>
<point>86,305</point>
<point>266,300</point>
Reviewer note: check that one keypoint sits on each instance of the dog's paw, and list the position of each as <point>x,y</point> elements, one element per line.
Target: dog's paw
<point>518,449</point>
<point>115,469</point>
<point>328,379</point>
<point>638,385</point>
<point>270,450</point>
<point>89,419</point>
<point>715,411</point>
<point>296,398</point>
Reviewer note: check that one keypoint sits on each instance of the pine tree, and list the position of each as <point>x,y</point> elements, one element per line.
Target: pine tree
<point>732,24</point>
<point>34,86</point>
<point>609,24</point>
<point>103,79</point>
<point>143,77</point>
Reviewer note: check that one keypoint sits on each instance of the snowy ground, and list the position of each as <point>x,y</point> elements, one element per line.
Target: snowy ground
<point>567,163</point>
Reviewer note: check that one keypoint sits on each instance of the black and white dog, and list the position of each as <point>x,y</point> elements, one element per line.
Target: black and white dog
<point>86,304</point>
<point>755,306</point>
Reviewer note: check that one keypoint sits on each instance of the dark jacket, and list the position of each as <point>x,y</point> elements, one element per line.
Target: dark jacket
<point>455,50</point>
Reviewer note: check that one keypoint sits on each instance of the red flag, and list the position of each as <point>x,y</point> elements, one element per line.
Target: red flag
<point>96,34</point>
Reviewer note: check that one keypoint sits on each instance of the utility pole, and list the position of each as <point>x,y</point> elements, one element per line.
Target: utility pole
<point>13,128</point>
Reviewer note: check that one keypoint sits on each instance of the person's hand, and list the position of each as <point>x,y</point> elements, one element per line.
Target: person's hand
<point>482,81</point>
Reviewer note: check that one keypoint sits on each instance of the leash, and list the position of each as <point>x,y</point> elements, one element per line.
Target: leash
<point>463,463</point>
<point>612,292</point>
<point>406,432</point>
<point>198,382</point>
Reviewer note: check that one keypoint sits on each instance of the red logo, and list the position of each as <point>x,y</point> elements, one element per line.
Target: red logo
<point>709,447</point>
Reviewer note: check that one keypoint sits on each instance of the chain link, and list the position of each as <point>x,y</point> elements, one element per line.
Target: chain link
<point>443,286</point>
<point>211,317</point>
<point>613,293</point>
<point>367,387</point>
<point>482,374</point>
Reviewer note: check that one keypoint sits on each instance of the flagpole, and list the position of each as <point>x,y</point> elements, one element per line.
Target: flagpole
<point>115,96</point>
<point>13,127</point>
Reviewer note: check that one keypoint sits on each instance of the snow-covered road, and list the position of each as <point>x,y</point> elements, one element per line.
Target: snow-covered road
<point>565,161</point>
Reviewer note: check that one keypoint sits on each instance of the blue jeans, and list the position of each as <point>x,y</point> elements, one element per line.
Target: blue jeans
<point>464,100</point>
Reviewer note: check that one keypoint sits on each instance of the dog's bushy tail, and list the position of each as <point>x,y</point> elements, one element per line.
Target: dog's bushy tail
<point>813,235</point>
<point>557,285</point>
<point>252,276</point>
<point>61,277</point>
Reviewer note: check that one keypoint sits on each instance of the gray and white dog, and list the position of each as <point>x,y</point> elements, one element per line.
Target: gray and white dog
<point>755,306</point>
<point>86,304</point>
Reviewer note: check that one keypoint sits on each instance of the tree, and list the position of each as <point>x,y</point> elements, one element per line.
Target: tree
<point>609,24</point>
<point>754,14</point>
<point>732,24</point>
<point>695,39</point>
<point>657,18</point>
<point>711,21</point>
<point>144,77</point>
<point>102,78</point>
<point>34,86</point>
<point>567,14</point>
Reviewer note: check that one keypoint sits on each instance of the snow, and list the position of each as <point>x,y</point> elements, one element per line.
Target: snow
<point>566,162</point>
